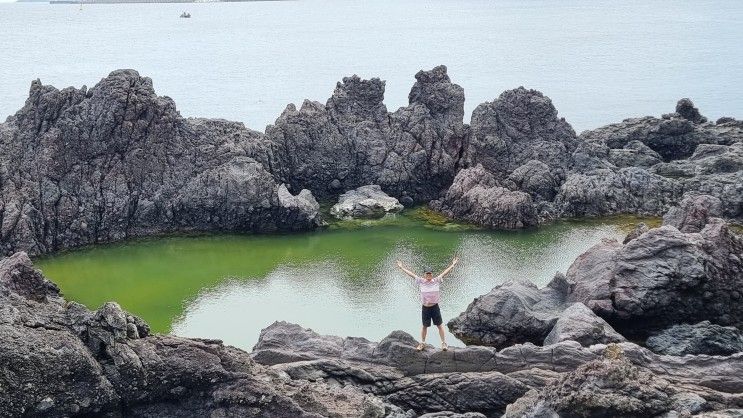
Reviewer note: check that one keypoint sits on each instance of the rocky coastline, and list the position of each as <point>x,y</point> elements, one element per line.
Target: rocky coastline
<point>645,328</point>
<point>86,166</point>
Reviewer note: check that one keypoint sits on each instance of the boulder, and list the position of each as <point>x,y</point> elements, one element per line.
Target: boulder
<point>513,312</point>
<point>701,338</point>
<point>519,126</point>
<point>578,323</point>
<point>365,202</point>
<point>602,388</point>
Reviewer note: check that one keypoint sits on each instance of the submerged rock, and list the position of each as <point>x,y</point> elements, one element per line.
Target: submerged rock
<point>365,202</point>
<point>701,338</point>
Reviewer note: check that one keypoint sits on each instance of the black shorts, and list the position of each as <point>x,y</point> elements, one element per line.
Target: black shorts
<point>429,313</point>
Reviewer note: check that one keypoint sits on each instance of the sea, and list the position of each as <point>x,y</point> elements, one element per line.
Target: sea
<point>599,61</point>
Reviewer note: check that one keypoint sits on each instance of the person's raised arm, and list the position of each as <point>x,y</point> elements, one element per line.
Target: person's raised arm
<point>406,271</point>
<point>448,269</point>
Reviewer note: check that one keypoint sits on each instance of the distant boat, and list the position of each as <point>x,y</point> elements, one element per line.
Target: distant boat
<point>185,15</point>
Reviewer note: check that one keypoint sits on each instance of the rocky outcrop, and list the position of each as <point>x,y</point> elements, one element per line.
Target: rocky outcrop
<point>60,359</point>
<point>702,338</point>
<point>365,202</point>
<point>693,213</point>
<point>353,141</point>
<point>82,166</point>
<point>635,287</point>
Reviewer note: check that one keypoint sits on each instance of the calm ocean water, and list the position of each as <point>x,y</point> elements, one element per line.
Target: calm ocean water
<point>600,61</point>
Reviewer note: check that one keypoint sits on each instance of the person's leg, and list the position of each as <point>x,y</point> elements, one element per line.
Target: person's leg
<point>438,321</point>
<point>442,333</point>
<point>424,332</point>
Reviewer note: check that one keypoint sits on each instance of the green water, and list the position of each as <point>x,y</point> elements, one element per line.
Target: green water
<point>337,281</point>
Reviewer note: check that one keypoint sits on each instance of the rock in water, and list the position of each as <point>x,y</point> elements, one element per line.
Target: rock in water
<point>365,202</point>
<point>635,287</point>
<point>701,338</point>
<point>686,109</point>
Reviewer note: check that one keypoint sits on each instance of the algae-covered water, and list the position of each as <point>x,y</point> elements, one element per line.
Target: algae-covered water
<point>340,281</point>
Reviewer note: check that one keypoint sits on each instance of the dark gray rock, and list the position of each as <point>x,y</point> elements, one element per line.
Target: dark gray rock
<point>480,379</point>
<point>521,125</point>
<point>602,388</point>
<point>353,141</point>
<point>578,323</point>
<point>365,202</point>
<point>701,338</point>
<point>82,166</point>
<point>476,196</point>
<point>635,287</point>
<point>513,312</point>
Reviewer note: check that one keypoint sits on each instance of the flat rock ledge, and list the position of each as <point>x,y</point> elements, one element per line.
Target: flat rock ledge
<point>492,382</point>
<point>366,202</point>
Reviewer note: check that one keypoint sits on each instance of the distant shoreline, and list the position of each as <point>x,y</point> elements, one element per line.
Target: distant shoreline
<point>138,1</point>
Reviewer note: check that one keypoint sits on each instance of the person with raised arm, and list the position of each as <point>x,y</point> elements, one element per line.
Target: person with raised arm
<point>430,298</point>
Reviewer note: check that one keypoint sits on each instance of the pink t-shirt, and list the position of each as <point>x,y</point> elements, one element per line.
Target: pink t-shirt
<point>430,294</point>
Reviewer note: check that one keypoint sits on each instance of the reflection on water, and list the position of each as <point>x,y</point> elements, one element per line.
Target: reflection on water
<point>337,282</point>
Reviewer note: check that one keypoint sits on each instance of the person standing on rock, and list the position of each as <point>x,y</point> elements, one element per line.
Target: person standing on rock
<point>430,297</point>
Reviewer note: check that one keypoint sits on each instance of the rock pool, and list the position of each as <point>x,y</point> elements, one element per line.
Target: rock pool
<point>339,281</point>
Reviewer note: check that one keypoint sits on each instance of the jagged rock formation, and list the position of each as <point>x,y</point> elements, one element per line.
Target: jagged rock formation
<point>353,141</point>
<point>365,202</point>
<point>82,166</point>
<point>60,359</point>
<point>636,287</point>
<point>86,166</point>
